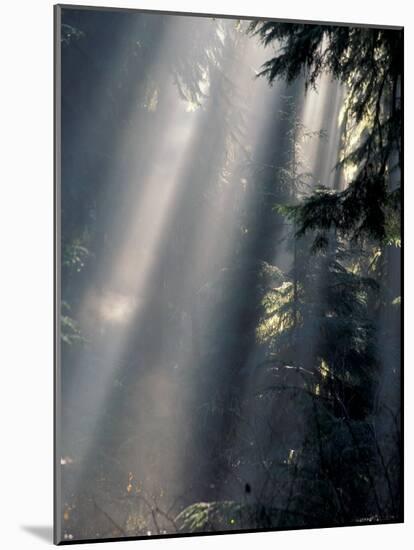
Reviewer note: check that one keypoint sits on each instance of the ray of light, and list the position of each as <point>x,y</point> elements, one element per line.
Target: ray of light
<point>318,112</point>
<point>123,292</point>
<point>115,304</point>
<point>109,306</point>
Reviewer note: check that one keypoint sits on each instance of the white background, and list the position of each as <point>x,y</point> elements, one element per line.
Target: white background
<point>26,121</point>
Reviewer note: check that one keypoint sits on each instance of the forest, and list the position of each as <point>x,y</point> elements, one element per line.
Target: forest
<point>229,205</point>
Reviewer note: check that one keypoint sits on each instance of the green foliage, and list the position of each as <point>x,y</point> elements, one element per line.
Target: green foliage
<point>357,213</point>
<point>279,369</point>
<point>369,63</point>
<point>211,516</point>
<point>69,330</point>
<point>70,34</point>
<point>75,256</point>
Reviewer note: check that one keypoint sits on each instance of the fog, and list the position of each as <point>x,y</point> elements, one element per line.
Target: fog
<point>175,156</point>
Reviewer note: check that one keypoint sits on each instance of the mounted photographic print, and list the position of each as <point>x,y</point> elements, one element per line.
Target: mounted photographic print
<point>228,274</point>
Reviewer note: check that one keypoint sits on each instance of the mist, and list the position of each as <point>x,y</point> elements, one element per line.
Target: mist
<point>224,361</point>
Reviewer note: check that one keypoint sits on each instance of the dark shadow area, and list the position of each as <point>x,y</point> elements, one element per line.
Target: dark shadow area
<point>43,532</point>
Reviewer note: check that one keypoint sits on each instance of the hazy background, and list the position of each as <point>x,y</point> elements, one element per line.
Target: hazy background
<point>32,131</point>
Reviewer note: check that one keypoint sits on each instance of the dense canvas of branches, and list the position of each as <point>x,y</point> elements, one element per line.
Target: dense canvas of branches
<point>230,275</point>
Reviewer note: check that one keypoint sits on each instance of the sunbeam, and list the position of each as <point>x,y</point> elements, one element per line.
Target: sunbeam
<point>225,257</point>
